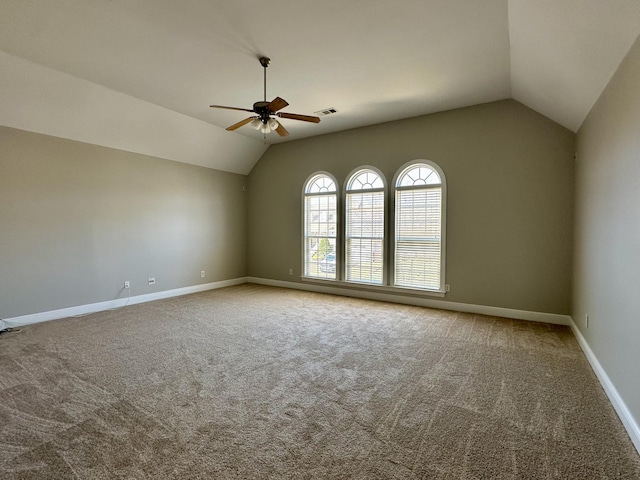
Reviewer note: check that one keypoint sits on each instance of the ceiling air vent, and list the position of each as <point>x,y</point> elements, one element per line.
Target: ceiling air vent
<point>326,111</point>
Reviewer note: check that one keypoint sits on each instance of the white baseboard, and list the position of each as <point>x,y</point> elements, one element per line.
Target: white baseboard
<point>120,302</point>
<point>630,423</point>
<point>387,297</point>
<point>420,302</point>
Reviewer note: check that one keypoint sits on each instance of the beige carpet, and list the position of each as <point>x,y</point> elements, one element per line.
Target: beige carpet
<point>260,382</point>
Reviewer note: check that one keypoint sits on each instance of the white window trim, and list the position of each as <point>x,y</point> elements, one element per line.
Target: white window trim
<point>443,224</point>
<point>343,226</point>
<point>372,287</point>
<point>338,239</point>
<point>389,232</point>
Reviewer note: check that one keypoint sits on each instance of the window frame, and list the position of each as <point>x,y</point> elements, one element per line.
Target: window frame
<point>443,224</point>
<point>337,237</point>
<point>385,230</point>
<point>388,285</point>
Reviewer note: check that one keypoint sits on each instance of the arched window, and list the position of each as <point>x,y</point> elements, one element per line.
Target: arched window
<point>320,212</point>
<point>419,226</point>
<point>364,227</point>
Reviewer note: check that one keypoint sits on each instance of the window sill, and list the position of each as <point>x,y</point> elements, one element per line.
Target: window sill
<point>374,288</point>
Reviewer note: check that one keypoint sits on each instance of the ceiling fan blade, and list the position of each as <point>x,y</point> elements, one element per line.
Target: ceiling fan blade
<point>295,116</point>
<point>281,130</point>
<point>239,124</point>
<point>277,104</point>
<point>231,108</point>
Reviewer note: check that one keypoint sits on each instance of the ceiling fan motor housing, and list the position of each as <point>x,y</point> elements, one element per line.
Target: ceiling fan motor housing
<point>261,109</point>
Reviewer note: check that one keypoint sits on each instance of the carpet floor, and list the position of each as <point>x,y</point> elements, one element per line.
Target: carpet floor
<point>255,382</point>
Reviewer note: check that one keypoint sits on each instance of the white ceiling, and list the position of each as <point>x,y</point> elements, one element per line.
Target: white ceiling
<point>139,75</point>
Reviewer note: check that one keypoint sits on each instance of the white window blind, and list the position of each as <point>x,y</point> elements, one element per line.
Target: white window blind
<point>418,228</point>
<point>364,236</point>
<point>320,220</point>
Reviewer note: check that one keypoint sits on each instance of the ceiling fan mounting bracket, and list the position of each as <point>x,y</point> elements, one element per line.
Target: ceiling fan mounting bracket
<point>264,61</point>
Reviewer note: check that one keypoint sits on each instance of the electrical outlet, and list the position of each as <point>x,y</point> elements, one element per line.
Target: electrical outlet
<point>201,273</point>
<point>291,271</point>
<point>586,320</point>
<point>152,280</point>
<point>447,288</point>
<point>127,284</point>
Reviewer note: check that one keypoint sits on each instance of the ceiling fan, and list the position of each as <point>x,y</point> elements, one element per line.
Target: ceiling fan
<point>265,111</point>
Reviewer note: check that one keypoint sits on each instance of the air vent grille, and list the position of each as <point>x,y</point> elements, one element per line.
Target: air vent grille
<point>326,111</point>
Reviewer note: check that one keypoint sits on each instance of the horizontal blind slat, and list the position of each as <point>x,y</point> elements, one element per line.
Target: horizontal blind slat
<point>418,242</point>
<point>364,237</point>
<point>320,225</point>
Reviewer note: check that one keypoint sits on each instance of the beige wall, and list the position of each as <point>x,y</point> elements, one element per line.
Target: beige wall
<point>510,199</point>
<point>77,220</point>
<point>607,235</point>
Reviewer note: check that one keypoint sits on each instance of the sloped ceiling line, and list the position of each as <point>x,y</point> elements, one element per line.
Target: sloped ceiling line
<point>140,75</point>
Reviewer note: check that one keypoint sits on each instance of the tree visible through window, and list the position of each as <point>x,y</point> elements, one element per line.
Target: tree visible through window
<point>320,203</point>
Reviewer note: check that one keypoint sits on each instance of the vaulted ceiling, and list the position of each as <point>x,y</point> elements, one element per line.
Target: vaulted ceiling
<point>140,75</point>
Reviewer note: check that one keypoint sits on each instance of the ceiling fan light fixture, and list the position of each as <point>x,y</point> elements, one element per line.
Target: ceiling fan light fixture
<point>273,123</point>
<point>256,123</point>
<point>265,128</point>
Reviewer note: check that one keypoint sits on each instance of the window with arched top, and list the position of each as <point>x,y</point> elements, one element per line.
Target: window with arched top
<point>418,250</point>
<point>320,226</point>
<point>364,227</point>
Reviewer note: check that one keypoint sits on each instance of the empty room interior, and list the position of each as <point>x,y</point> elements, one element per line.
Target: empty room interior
<point>333,239</point>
